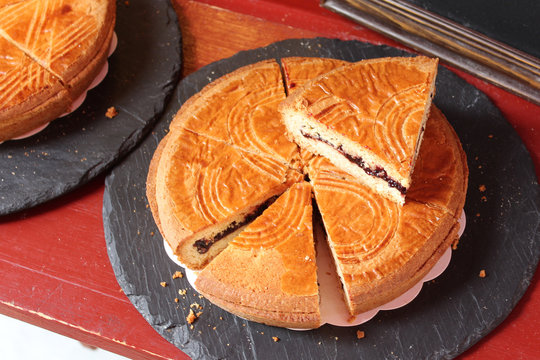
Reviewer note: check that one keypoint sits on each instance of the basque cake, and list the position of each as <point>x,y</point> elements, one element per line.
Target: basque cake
<point>205,190</point>
<point>367,118</point>
<point>68,39</point>
<point>218,169</point>
<point>268,273</point>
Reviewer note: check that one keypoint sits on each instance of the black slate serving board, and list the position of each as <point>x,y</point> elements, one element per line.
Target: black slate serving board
<point>450,314</point>
<point>143,72</point>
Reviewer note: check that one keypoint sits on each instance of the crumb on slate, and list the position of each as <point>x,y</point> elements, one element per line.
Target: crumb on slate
<point>111,112</point>
<point>163,283</point>
<point>482,273</point>
<point>360,334</point>
<point>482,188</point>
<point>182,291</point>
<point>177,275</point>
<point>275,338</point>
<point>191,317</point>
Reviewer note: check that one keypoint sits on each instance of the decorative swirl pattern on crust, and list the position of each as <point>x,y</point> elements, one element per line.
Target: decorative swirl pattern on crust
<point>247,115</point>
<point>397,123</point>
<point>278,224</point>
<point>208,181</point>
<point>355,239</point>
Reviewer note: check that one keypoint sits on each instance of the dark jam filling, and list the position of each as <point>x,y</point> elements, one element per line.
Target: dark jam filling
<point>378,172</point>
<point>203,245</point>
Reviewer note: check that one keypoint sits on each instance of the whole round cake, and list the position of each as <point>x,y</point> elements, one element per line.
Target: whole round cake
<point>50,52</point>
<point>231,186</point>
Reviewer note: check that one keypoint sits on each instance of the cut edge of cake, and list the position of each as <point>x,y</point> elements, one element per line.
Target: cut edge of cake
<point>272,282</point>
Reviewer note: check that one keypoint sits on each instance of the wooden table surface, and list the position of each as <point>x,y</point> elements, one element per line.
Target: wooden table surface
<point>53,259</point>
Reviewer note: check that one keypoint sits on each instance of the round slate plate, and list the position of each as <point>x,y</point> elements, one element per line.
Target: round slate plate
<point>449,315</point>
<point>143,72</point>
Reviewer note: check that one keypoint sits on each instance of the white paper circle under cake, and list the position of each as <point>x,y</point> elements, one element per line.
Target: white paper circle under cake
<point>333,308</point>
<point>78,102</point>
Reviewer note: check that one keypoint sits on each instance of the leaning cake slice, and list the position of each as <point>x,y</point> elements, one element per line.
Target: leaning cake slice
<point>268,273</point>
<point>201,191</point>
<point>367,118</point>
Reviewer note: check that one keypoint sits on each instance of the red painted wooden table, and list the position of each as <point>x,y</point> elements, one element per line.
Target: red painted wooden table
<point>53,259</point>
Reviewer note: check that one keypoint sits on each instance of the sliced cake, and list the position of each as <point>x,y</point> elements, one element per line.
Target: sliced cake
<point>268,272</point>
<point>367,118</point>
<point>382,249</point>
<point>205,190</point>
<point>240,109</point>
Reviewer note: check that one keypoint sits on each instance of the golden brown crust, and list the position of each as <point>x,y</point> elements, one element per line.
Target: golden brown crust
<point>29,95</point>
<point>441,173</point>
<point>247,115</point>
<point>202,185</point>
<point>274,277</point>
<point>299,70</point>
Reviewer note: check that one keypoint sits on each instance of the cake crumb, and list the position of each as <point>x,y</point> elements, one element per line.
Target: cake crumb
<point>191,317</point>
<point>163,283</point>
<point>360,334</point>
<point>482,273</point>
<point>182,292</point>
<point>176,300</point>
<point>275,338</point>
<point>490,136</point>
<point>177,275</point>
<point>196,306</point>
<point>482,188</point>
<point>336,338</point>
<point>483,198</point>
<point>111,112</point>
<point>477,214</point>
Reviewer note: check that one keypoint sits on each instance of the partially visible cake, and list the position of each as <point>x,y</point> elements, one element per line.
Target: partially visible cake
<point>68,40</point>
<point>268,272</point>
<point>367,118</point>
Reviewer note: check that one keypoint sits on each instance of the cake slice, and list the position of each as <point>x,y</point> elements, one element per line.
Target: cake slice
<point>382,249</point>
<point>30,96</point>
<point>203,190</point>
<point>367,118</point>
<point>268,273</point>
<point>69,38</point>
<point>240,109</point>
